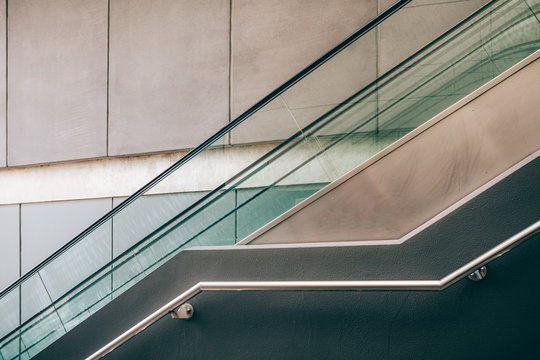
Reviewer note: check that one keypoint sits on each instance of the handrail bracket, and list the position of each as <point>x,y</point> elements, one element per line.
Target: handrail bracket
<point>184,311</point>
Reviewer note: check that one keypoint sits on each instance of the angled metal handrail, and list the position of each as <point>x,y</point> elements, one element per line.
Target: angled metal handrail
<point>408,285</point>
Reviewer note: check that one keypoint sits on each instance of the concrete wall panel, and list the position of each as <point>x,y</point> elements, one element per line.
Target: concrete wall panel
<point>3,135</point>
<point>273,40</point>
<point>9,243</point>
<point>385,4</point>
<point>317,93</point>
<point>169,63</point>
<point>169,66</point>
<point>45,227</point>
<point>57,80</point>
<point>413,27</point>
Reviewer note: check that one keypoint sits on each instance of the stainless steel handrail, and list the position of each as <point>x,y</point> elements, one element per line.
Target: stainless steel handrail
<point>409,285</point>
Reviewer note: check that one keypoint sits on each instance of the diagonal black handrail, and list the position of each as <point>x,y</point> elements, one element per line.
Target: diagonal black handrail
<point>227,128</point>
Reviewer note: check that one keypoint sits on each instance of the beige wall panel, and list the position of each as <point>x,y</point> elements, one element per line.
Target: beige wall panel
<point>385,4</point>
<point>169,83</point>
<point>3,135</point>
<point>332,83</point>
<point>273,40</point>
<point>57,80</point>
<point>413,27</point>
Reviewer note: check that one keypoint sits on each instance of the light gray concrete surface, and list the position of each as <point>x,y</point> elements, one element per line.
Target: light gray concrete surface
<point>348,72</point>
<point>169,63</point>
<point>170,71</point>
<point>45,227</point>
<point>273,40</point>
<point>57,81</point>
<point>320,91</point>
<point>9,243</point>
<point>414,26</point>
<point>335,81</point>
<point>385,4</point>
<point>3,135</point>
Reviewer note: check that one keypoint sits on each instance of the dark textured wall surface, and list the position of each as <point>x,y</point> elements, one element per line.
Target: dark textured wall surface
<point>495,318</point>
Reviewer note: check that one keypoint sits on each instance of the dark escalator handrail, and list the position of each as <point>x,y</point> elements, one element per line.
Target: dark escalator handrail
<point>382,285</point>
<point>227,128</point>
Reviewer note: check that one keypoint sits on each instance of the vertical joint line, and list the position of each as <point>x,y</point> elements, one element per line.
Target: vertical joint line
<point>20,319</point>
<point>235,216</point>
<point>20,274</point>
<point>20,240</point>
<point>108,56</point>
<point>230,69</point>
<point>377,40</point>
<point>112,250</point>
<point>7,82</point>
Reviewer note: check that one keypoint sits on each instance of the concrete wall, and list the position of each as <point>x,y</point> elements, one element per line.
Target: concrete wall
<point>95,79</point>
<point>3,135</point>
<point>57,80</point>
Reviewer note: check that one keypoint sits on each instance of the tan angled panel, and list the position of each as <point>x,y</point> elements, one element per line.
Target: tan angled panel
<point>456,153</point>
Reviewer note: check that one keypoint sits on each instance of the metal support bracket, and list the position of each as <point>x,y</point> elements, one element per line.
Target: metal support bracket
<point>479,274</point>
<point>184,311</point>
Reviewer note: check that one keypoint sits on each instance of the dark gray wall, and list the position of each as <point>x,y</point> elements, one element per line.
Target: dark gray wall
<point>497,316</point>
<point>494,319</point>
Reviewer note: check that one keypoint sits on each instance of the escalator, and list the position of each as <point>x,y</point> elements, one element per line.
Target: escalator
<point>318,135</point>
<point>407,304</point>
